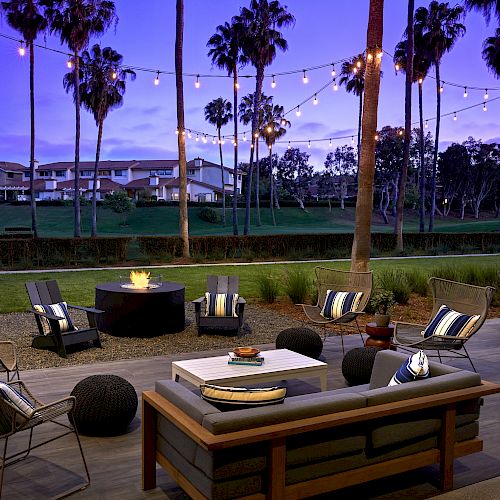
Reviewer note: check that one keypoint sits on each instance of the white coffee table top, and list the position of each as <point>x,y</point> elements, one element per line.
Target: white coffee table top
<point>278,364</point>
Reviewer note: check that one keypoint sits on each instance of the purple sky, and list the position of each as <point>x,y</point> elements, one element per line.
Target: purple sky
<point>325,30</point>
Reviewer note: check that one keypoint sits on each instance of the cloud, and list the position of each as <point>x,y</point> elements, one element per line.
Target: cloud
<point>132,152</point>
<point>311,128</point>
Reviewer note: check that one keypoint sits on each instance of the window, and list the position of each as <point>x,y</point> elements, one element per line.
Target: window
<point>105,172</point>
<point>60,173</point>
<point>191,171</point>
<point>27,175</point>
<point>119,173</point>
<point>10,175</point>
<point>175,196</point>
<point>44,173</point>
<point>86,173</point>
<point>166,171</point>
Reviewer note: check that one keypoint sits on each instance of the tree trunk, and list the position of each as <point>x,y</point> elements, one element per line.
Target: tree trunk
<point>77,222</point>
<point>257,183</point>
<point>360,117</point>
<point>34,225</point>
<point>384,203</point>
<point>403,178</point>
<point>94,187</point>
<point>343,193</point>
<point>271,186</point>
<point>421,180</point>
<point>360,255</point>
<point>222,179</point>
<point>235,168</point>
<point>436,149</point>
<point>462,208</point>
<point>330,205</point>
<point>181,138</point>
<point>395,195</point>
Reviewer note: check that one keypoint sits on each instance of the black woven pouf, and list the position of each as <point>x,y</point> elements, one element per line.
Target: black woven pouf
<point>302,340</point>
<point>357,365</point>
<point>105,405</point>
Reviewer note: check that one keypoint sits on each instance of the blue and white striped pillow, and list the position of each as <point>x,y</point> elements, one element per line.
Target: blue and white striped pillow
<point>16,399</point>
<point>414,368</point>
<point>221,304</point>
<point>338,303</point>
<point>59,309</point>
<point>451,323</point>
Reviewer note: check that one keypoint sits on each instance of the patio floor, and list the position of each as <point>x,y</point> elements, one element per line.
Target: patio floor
<point>114,462</point>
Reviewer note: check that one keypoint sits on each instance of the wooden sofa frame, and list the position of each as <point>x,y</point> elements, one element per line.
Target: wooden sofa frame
<point>154,404</point>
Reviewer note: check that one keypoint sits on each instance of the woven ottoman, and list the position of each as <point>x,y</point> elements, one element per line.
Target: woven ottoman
<point>357,365</point>
<point>105,405</point>
<point>302,340</point>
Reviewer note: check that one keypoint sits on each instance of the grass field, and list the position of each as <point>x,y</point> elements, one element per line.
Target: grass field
<point>58,221</point>
<point>78,287</point>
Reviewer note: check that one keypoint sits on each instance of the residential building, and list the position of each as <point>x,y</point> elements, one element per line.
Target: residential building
<point>11,180</point>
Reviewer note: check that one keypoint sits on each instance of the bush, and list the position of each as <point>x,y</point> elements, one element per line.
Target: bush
<point>268,287</point>
<point>395,281</point>
<point>297,285</point>
<point>208,214</point>
<point>382,302</point>
<point>417,281</point>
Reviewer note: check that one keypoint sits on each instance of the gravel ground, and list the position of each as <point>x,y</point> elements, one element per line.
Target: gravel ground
<point>261,327</point>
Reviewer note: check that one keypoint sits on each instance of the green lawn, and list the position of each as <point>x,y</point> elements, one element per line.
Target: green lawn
<point>58,221</point>
<point>78,287</point>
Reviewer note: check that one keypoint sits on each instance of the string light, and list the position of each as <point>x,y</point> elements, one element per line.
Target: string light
<point>114,75</point>
<point>237,85</point>
<point>420,81</point>
<point>315,101</point>
<point>465,92</point>
<point>157,79</point>
<point>380,54</point>
<point>273,83</point>
<point>330,143</point>
<point>197,83</point>
<point>183,132</point>
<point>358,64</point>
<point>486,93</point>
<point>298,113</point>
<point>176,131</point>
<point>244,136</point>
<point>283,122</point>
<point>304,78</point>
<point>204,140</point>
<point>269,129</point>
<point>484,107</point>
<point>289,145</point>
<point>352,140</point>
<point>369,56</point>
<point>197,138</point>
<point>270,147</point>
<point>335,86</point>
<point>333,70</point>
<point>455,116</point>
<point>235,143</point>
<point>376,137</point>
<point>441,89</point>
<point>309,144</point>
<point>190,135</point>
<point>400,131</point>
<point>396,67</point>
<point>354,70</point>
<point>214,141</point>
<point>22,50</point>
<point>69,63</point>
<point>426,124</point>
<point>256,135</point>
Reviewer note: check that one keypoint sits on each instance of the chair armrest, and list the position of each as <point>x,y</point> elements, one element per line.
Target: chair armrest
<point>241,300</point>
<point>312,313</point>
<point>199,300</point>
<point>45,315</point>
<point>86,309</point>
<point>397,323</point>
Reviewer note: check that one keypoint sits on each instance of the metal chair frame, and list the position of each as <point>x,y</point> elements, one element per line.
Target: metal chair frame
<point>8,359</point>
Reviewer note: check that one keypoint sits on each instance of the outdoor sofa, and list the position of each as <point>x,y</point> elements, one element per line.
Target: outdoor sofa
<point>314,443</point>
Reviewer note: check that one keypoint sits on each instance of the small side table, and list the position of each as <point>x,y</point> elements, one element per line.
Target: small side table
<point>379,336</point>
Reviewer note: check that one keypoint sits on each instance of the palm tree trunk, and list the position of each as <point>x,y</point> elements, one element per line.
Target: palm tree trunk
<point>421,180</point>
<point>360,116</point>
<point>271,186</point>
<point>77,229</point>
<point>96,171</point>
<point>222,177</point>
<point>436,149</point>
<point>403,178</point>
<point>181,138</point>
<point>235,168</point>
<point>34,225</point>
<point>360,254</point>
<point>257,183</point>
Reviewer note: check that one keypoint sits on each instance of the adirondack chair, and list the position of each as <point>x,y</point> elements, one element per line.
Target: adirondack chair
<point>220,284</point>
<point>47,292</point>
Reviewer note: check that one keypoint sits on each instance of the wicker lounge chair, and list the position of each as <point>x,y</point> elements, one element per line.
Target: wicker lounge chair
<point>339,281</point>
<point>12,421</point>
<point>461,297</point>
<point>8,359</point>
<point>47,292</point>
<point>220,284</point>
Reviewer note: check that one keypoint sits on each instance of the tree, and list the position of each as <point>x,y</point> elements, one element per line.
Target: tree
<point>102,86</point>
<point>491,53</point>
<point>76,21</point>
<point>486,7</point>
<point>352,75</point>
<point>181,137</point>
<point>340,167</point>
<point>440,28</point>
<point>360,254</point>
<point>218,113</point>
<point>27,17</point>
<point>226,53</point>
<point>260,24</point>
<point>454,166</point>
<point>120,203</point>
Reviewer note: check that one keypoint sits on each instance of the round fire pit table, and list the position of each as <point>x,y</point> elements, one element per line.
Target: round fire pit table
<point>140,312</point>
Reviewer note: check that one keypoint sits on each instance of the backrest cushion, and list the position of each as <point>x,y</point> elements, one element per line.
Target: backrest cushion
<point>231,398</point>
<point>60,309</point>
<point>339,303</point>
<point>221,304</point>
<point>16,399</point>
<point>451,323</point>
<point>414,368</point>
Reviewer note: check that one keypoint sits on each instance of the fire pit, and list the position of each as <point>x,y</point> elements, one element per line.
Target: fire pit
<point>142,307</point>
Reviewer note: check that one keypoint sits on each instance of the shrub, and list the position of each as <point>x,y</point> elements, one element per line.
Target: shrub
<point>208,214</point>
<point>395,281</point>
<point>268,287</point>
<point>417,281</point>
<point>297,284</point>
<point>382,302</point>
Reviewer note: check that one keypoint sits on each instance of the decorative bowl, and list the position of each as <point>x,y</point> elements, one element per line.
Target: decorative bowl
<point>246,352</point>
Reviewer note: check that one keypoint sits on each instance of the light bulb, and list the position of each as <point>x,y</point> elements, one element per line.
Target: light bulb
<point>269,129</point>
<point>465,92</point>
<point>273,83</point>
<point>190,135</point>
<point>315,101</point>
<point>354,70</point>
<point>304,78</point>
<point>283,122</point>
<point>486,94</point>
<point>369,56</point>
<point>484,107</point>
<point>309,144</point>
<point>213,141</point>
<point>358,64</point>
<point>157,79</point>
<point>352,140</point>
<point>376,137</point>
<point>197,138</point>
<point>176,131</point>
<point>69,63</point>
<point>420,81</point>
<point>441,89</point>
<point>197,82</point>
<point>183,132</point>
<point>223,141</point>
<point>333,70</point>
<point>400,132</point>
<point>380,54</point>
<point>330,143</point>
<point>426,124</point>
<point>256,135</point>
<point>114,75</point>
<point>244,136</point>
<point>335,86</point>
<point>204,140</point>
<point>22,50</point>
<point>270,147</point>
<point>396,67</point>
<point>298,113</point>
<point>455,116</point>
<point>251,146</point>
<point>237,85</point>
<point>234,143</point>
<point>289,145</point>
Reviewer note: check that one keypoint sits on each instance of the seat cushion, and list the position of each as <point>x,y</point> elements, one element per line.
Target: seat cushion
<point>339,303</point>
<point>16,399</point>
<point>414,368</point>
<point>59,309</point>
<point>241,397</point>
<point>221,304</point>
<point>451,323</point>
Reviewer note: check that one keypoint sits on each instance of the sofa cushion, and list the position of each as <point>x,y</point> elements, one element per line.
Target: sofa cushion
<point>451,323</point>
<point>237,397</point>
<point>416,367</point>
<point>339,303</point>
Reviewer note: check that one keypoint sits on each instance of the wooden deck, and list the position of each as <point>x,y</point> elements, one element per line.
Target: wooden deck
<point>114,462</point>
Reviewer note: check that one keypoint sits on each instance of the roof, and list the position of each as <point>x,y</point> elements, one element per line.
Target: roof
<point>144,183</point>
<point>206,163</point>
<point>105,185</point>
<point>9,166</point>
<point>88,165</point>
<point>154,164</point>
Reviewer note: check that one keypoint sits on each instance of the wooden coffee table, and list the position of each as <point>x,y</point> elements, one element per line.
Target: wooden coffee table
<point>279,364</point>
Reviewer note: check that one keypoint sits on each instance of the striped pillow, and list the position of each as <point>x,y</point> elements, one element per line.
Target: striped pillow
<point>241,396</point>
<point>451,323</point>
<point>16,399</point>
<point>221,304</point>
<point>414,368</point>
<point>338,303</point>
<point>60,309</point>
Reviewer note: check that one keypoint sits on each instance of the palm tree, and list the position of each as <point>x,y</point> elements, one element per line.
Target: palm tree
<point>361,246</point>
<point>27,17</point>
<point>102,86</point>
<point>76,21</point>
<point>246,116</point>
<point>226,53</point>
<point>274,128</point>
<point>485,7</point>
<point>218,113</point>
<point>260,24</point>
<point>181,137</point>
<point>421,66</point>
<point>352,75</point>
<point>491,53</point>
<point>440,27</point>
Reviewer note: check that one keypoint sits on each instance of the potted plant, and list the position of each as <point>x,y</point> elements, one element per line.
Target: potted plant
<point>382,303</point>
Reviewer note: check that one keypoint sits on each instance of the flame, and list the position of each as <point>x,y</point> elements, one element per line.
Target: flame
<point>139,279</point>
